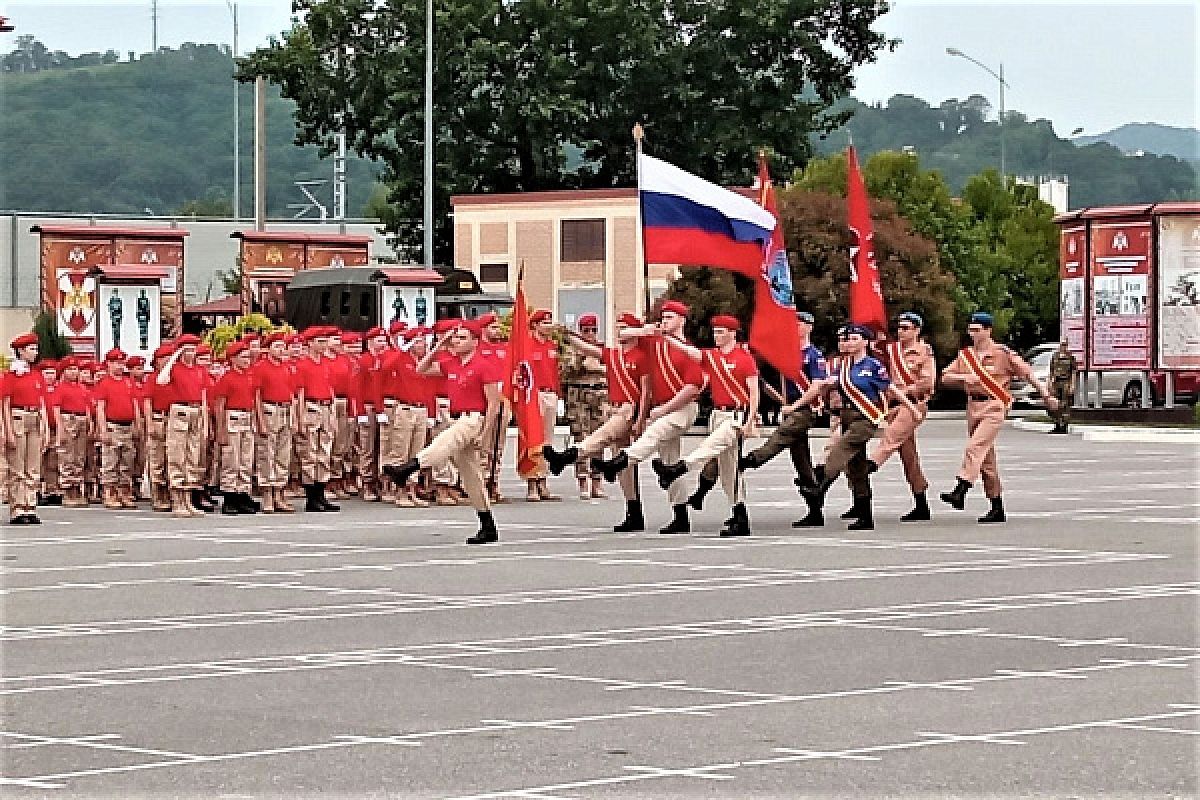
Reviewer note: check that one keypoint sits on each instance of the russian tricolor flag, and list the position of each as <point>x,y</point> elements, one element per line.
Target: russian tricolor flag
<point>688,221</point>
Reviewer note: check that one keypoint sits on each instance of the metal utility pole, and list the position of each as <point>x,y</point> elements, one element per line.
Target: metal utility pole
<point>339,178</point>
<point>260,153</point>
<point>237,118</point>
<point>153,26</point>
<point>428,188</point>
<point>954,51</point>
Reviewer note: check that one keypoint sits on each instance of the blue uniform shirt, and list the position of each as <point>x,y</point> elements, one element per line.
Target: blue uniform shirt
<point>814,368</point>
<point>870,376</point>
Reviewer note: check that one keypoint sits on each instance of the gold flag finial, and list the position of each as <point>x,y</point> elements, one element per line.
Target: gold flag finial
<point>639,133</point>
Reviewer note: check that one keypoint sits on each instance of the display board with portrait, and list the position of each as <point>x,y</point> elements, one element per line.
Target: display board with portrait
<point>1122,269</point>
<point>128,317</point>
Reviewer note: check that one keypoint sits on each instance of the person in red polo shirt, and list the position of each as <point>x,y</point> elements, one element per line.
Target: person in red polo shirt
<point>315,403</point>
<point>371,365</point>
<point>116,417</point>
<point>156,406</point>
<point>233,404</point>
<point>72,408</point>
<point>25,430</point>
<point>136,367</point>
<point>186,426</point>
<point>51,480</point>
<point>274,404</point>
<point>474,399</point>
<point>343,376</point>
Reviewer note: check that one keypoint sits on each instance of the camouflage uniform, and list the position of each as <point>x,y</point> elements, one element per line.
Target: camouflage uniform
<point>1062,388</point>
<point>587,401</point>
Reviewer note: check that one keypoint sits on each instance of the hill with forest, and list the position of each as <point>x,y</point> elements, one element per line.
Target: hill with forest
<point>153,133</point>
<point>1150,137</point>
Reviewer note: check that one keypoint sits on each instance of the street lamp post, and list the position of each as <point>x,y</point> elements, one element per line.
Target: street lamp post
<point>237,176</point>
<point>954,51</point>
<point>428,183</point>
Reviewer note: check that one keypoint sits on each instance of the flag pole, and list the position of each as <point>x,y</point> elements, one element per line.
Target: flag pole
<point>493,481</point>
<point>639,134</point>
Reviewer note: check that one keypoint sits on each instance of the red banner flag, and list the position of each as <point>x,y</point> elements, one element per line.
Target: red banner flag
<point>774,334</point>
<point>866,294</point>
<point>519,387</point>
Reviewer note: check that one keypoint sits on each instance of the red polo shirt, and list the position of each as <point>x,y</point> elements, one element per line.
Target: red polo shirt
<point>25,391</point>
<point>188,383</point>
<point>543,360</point>
<point>72,398</point>
<point>727,374</point>
<point>118,397</point>
<point>465,381</point>
<point>237,388</point>
<point>276,381</point>
<point>313,377</point>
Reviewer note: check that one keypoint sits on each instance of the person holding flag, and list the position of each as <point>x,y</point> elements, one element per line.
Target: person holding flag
<point>866,292</point>
<point>542,353</point>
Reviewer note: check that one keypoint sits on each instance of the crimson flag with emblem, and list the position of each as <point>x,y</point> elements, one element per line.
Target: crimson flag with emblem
<point>866,293</point>
<point>774,334</point>
<point>519,387</point>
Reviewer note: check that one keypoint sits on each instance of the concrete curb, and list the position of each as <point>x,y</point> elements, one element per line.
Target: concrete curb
<point>1118,433</point>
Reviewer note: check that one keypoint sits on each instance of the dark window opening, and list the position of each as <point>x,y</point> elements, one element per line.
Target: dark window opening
<point>582,240</point>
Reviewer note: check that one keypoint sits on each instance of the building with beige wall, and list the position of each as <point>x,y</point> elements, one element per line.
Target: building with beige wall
<point>582,250</point>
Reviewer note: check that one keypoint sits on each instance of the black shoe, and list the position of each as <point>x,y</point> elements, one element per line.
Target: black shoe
<point>703,487</point>
<point>668,474</point>
<point>850,513</point>
<point>819,472</point>
<point>487,530</point>
<point>680,524</point>
<point>633,521</point>
<point>957,497</point>
<point>996,514</point>
<point>19,519</point>
<point>612,467</point>
<point>51,500</point>
<point>245,503</point>
<point>738,524</point>
<point>872,467</point>
<point>865,521</point>
<point>325,504</point>
<point>202,502</point>
<point>815,495</point>
<point>33,519</point>
<point>815,519</point>
<point>400,474</point>
<point>311,501</point>
<point>559,461</point>
<point>231,505</point>
<point>920,512</point>
<point>749,461</point>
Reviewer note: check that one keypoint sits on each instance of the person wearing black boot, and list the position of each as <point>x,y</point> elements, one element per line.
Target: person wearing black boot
<point>913,370</point>
<point>732,377</point>
<point>984,371</point>
<point>314,399</point>
<point>626,370</point>
<point>233,402</point>
<point>675,382</point>
<point>487,533</point>
<point>862,383</point>
<point>706,481</point>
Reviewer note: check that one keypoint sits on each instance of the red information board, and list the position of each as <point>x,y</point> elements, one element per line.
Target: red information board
<point>1122,261</point>
<point>1072,273</point>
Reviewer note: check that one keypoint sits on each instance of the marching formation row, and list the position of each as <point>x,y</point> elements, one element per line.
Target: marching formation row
<point>417,415</point>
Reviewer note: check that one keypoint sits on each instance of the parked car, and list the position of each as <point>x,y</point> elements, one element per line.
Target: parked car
<point>1118,388</point>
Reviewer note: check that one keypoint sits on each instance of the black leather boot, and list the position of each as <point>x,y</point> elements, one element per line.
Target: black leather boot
<point>247,504</point>
<point>400,474</point>
<point>680,524</point>
<point>739,523</point>
<point>957,497</point>
<point>815,518</point>
<point>612,467</point>
<point>819,472</point>
<point>324,501</point>
<point>996,514</point>
<point>703,487</point>
<point>311,501</point>
<point>230,505</point>
<point>920,511</point>
<point>749,461</point>
<point>487,530</point>
<point>668,474</point>
<point>633,521</point>
<point>202,502</point>
<point>559,461</point>
<point>866,519</point>
<point>850,513</point>
<point>815,495</point>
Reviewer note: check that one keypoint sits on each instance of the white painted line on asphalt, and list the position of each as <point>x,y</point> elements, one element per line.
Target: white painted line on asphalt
<point>1154,729</point>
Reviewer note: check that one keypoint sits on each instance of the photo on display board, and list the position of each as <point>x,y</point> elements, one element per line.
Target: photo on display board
<point>1133,295</point>
<point>1107,296</point>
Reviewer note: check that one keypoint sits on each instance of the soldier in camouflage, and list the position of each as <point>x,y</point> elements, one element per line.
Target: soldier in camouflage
<point>1062,386</point>
<point>587,402</point>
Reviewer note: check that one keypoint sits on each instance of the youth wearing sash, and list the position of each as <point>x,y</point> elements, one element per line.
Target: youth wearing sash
<point>675,382</point>
<point>913,371</point>
<point>733,381</point>
<point>984,371</point>
<point>627,373</point>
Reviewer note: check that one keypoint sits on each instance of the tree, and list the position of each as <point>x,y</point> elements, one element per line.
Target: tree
<point>517,83</point>
<point>232,280</point>
<point>51,343</point>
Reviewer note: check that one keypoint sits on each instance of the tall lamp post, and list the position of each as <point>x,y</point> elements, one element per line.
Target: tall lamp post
<point>237,117</point>
<point>954,51</point>
<point>428,187</point>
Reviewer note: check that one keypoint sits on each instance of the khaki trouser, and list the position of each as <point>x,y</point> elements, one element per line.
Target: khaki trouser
<point>587,409</point>
<point>316,443</point>
<point>849,452</point>
<point>367,447</point>
<point>156,450</point>
<point>273,446</point>
<point>461,444</point>
<point>615,433</point>
<point>140,447</point>
<point>343,438</point>
<point>185,446</point>
<point>25,462</point>
<point>116,456</point>
<point>984,418</point>
<point>663,436</point>
<point>901,436</point>
<point>407,435</point>
<point>51,477</point>
<point>73,431</point>
<point>722,442</point>
<point>237,453</point>
<point>548,406</point>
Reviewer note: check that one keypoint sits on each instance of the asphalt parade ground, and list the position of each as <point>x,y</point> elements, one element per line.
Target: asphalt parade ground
<point>372,654</point>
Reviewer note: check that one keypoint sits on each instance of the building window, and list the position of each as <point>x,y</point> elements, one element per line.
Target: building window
<point>582,240</point>
<point>493,273</point>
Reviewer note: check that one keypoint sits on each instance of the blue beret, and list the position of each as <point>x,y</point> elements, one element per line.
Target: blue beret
<point>861,330</point>
<point>913,317</point>
<point>982,318</point>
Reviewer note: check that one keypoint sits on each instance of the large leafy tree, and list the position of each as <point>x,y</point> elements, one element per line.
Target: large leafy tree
<point>520,83</point>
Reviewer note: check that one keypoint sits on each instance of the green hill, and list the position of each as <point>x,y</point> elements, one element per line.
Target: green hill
<point>1150,137</point>
<point>150,134</point>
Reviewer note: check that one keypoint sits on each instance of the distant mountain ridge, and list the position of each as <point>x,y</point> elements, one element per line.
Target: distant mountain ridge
<point>1150,137</point>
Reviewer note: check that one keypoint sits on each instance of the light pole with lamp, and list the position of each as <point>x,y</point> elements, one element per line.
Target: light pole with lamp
<point>237,118</point>
<point>428,183</point>
<point>954,51</point>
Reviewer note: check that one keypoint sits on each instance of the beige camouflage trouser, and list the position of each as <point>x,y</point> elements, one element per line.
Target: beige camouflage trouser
<point>156,450</point>
<point>51,477</point>
<point>73,432</point>
<point>185,447</point>
<point>116,456</point>
<point>343,437</point>
<point>461,444</point>
<point>409,431</point>
<point>316,443</point>
<point>273,446</point>
<point>587,410</point>
<point>237,453</point>
<point>25,462</point>
<point>725,433</point>
<point>367,442</point>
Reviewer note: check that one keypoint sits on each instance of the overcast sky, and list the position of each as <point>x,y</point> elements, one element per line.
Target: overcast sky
<point>1091,65</point>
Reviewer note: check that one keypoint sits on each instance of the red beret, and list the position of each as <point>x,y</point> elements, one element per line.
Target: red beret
<point>163,350</point>
<point>539,315</point>
<point>294,338</point>
<point>373,332</point>
<point>471,326</point>
<point>350,337</point>
<point>312,332</point>
<point>418,332</point>
<point>726,321</point>
<point>135,361</point>
<point>488,318</point>
<point>49,364</point>
<point>116,354</point>
<point>187,339</point>
<point>445,326</point>
<point>631,320</point>
<point>675,307</point>
<point>274,336</point>
<point>397,326</point>
<point>588,319</point>
<point>24,340</point>
<point>204,350</point>
<point>235,348</point>
<point>68,362</point>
